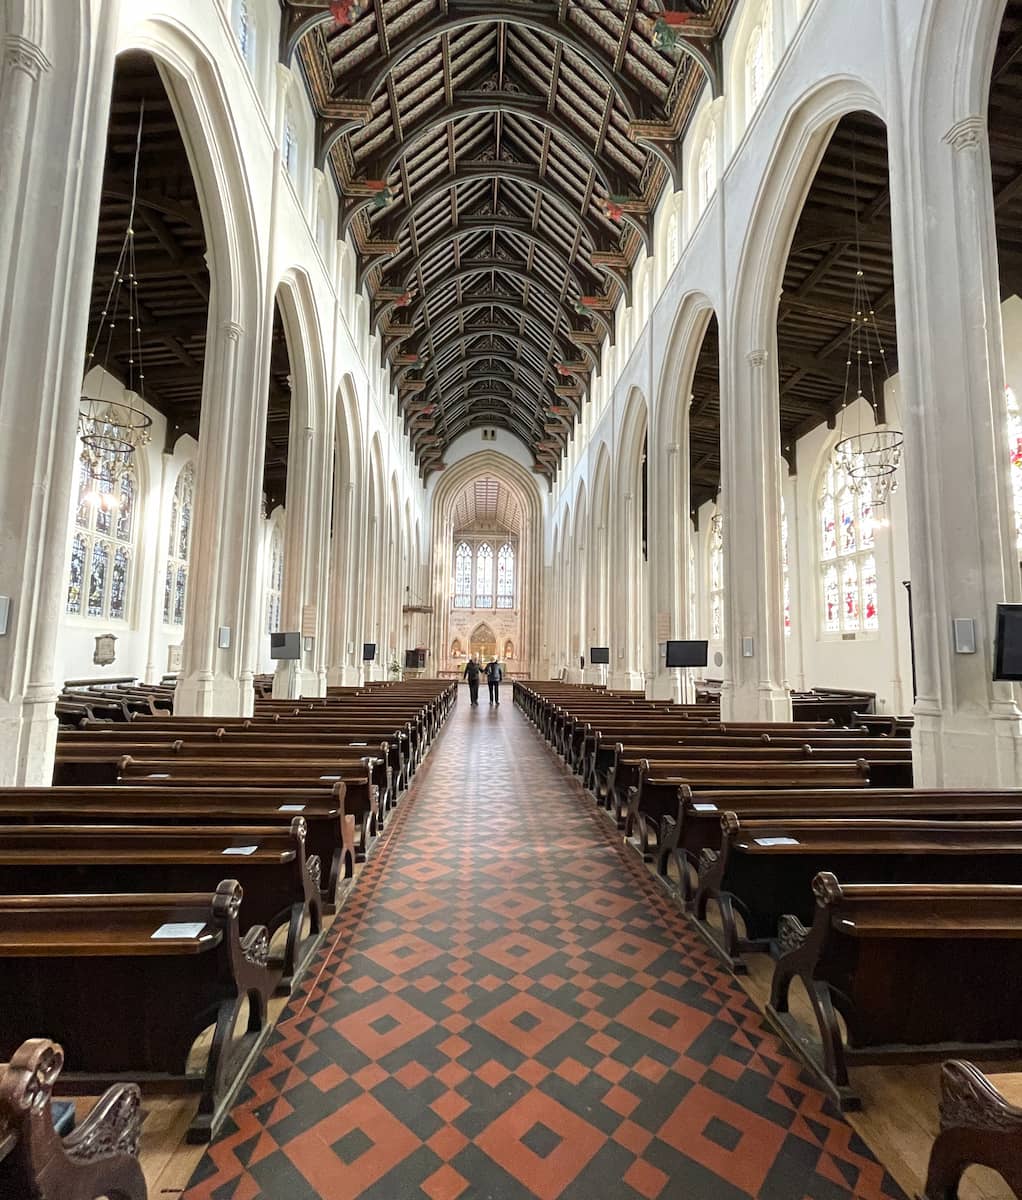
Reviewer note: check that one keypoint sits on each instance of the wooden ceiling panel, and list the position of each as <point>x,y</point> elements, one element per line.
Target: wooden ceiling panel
<point>547,88</point>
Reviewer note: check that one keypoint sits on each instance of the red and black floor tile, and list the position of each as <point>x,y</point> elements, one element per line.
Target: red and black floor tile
<point>507,1007</point>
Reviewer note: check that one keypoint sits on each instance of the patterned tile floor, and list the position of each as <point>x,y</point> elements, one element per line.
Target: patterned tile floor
<point>508,1008</point>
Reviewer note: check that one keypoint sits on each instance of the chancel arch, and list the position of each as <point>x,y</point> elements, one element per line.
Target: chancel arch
<point>485,506</point>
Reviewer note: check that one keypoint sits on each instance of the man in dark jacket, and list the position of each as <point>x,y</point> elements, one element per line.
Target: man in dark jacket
<point>472,675</point>
<point>493,677</point>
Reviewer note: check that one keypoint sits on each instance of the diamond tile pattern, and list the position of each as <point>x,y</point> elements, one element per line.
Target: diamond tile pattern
<point>507,1007</point>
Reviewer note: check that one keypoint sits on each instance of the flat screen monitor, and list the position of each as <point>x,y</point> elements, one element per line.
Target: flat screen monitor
<point>599,656</point>
<point>415,660</point>
<point>369,652</point>
<point>1008,642</point>
<point>687,654</point>
<point>285,646</point>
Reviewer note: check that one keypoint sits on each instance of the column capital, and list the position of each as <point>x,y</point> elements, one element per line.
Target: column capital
<point>232,330</point>
<point>966,134</point>
<point>758,358</point>
<point>23,55</point>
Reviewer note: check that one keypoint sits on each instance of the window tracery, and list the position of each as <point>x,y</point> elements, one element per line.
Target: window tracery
<point>706,172</point>
<point>484,576</point>
<point>178,548</point>
<point>506,576</point>
<point>275,580</point>
<point>717,578</point>
<point>102,545</point>
<point>1015,452</point>
<point>847,544</point>
<point>463,576</point>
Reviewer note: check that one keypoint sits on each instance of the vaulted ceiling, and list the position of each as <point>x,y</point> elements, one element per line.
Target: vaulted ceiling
<point>486,504</point>
<point>499,165</point>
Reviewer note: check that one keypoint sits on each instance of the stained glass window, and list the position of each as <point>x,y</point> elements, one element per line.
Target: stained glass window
<point>176,582</point>
<point>289,146</point>
<point>672,242</point>
<point>99,576</point>
<point>275,580</point>
<point>706,173</point>
<point>484,576</point>
<point>848,574</point>
<point>463,576</point>
<point>244,30</point>
<point>692,615</point>
<point>506,576</point>
<point>756,68</point>
<point>717,578</point>
<point>1015,451</point>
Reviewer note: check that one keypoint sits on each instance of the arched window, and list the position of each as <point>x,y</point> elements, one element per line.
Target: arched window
<point>717,578</point>
<point>463,576</point>
<point>102,545</point>
<point>1015,450</point>
<point>289,144</point>
<point>506,576</point>
<point>484,576</point>
<point>786,569</point>
<point>706,173</point>
<point>244,30</point>
<point>756,68</point>
<point>274,580</point>
<point>179,544</point>
<point>672,242</point>
<point>692,614</point>
<point>848,571</point>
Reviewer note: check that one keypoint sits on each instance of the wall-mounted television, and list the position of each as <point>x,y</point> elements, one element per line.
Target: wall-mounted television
<point>1008,643</point>
<point>599,656</point>
<point>687,654</point>
<point>285,646</point>
<point>369,652</point>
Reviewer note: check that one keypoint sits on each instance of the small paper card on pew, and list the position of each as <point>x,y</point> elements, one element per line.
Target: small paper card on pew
<point>330,778</point>
<point>704,808</point>
<point>181,929</point>
<point>777,841</point>
<point>158,776</point>
<point>358,743</point>
<point>295,807</point>
<point>241,850</point>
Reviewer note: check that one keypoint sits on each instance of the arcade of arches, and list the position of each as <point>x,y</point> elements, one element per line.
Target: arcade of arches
<point>468,330</point>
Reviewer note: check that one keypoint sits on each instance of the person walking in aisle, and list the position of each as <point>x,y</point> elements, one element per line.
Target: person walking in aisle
<point>472,673</point>
<point>493,677</point>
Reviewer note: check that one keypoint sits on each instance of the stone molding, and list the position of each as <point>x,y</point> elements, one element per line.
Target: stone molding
<point>23,55</point>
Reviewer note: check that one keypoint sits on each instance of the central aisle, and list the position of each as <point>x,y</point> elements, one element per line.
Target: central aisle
<point>507,1008</point>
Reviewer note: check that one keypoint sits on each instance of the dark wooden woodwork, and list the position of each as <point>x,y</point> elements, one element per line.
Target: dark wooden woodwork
<point>98,1159</point>
<point>980,1124</point>
<point>64,960</point>
<point>915,970</point>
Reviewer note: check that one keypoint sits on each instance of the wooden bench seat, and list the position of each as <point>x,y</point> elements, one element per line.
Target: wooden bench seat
<point>980,1124</point>
<point>85,759</point>
<point>917,971</point>
<point>281,884</point>
<point>765,868</point>
<point>329,835</point>
<point>654,813</point>
<point>699,812</point>
<point>99,1159</point>
<point>127,1005</point>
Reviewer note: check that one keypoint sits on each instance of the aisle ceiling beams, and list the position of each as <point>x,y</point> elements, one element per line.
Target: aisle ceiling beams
<point>500,129</point>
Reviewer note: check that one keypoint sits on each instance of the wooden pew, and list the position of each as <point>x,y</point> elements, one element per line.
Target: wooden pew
<point>281,884</point>
<point>99,1159</point>
<point>915,970</point>
<point>699,813</point>
<point>654,813</point>
<point>765,868</point>
<point>329,837</point>
<point>127,1004</point>
<point>980,1125</point>
<point>85,760</point>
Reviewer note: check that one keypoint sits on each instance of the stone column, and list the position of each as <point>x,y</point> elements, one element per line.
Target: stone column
<point>626,673</point>
<point>668,565</point>
<point>753,687</point>
<point>51,114</point>
<point>223,573</point>
<point>964,559</point>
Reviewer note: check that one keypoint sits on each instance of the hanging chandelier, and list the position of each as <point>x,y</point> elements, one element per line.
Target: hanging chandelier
<point>869,457</point>
<point>111,431</point>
